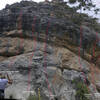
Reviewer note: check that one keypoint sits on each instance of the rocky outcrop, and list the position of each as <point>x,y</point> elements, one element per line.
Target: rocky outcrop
<point>50,79</point>
<point>30,19</point>
<point>34,16</point>
<point>36,50</point>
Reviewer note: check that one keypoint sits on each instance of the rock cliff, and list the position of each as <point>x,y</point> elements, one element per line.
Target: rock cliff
<point>39,49</point>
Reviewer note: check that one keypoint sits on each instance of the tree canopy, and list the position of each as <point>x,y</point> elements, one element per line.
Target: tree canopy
<point>85,4</point>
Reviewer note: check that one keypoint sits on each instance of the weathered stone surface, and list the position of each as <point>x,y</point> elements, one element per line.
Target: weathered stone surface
<point>59,83</point>
<point>23,30</point>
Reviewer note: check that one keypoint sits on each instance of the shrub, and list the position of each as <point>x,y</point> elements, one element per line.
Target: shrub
<point>32,97</point>
<point>81,90</point>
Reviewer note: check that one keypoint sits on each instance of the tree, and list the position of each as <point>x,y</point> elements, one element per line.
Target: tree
<point>85,4</point>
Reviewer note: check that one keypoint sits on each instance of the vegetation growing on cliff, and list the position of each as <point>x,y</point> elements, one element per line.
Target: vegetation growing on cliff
<point>32,97</point>
<point>81,90</point>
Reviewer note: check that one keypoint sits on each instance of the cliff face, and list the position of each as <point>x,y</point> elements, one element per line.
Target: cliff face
<point>57,20</point>
<point>42,69</point>
<point>36,44</point>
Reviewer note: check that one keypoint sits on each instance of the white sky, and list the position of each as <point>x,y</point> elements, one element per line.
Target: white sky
<point>4,2</point>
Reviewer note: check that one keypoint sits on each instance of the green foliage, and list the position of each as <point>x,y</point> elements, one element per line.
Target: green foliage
<point>85,4</point>
<point>77,19</point>
<point>59,11</point>
<point>32,97</point>
<point>72,1</point>
<point>59,14</point>
<point>93,24</point>
<point>81,90</point>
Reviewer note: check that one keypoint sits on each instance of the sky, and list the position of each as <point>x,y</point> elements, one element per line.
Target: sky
<point>4,2</point>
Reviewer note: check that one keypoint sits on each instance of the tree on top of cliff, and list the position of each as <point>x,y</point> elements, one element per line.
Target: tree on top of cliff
<point>85,5</point>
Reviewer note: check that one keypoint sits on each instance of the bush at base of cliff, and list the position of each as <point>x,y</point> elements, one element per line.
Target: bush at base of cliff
<point>81,90</point>
<point>34,97</point>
